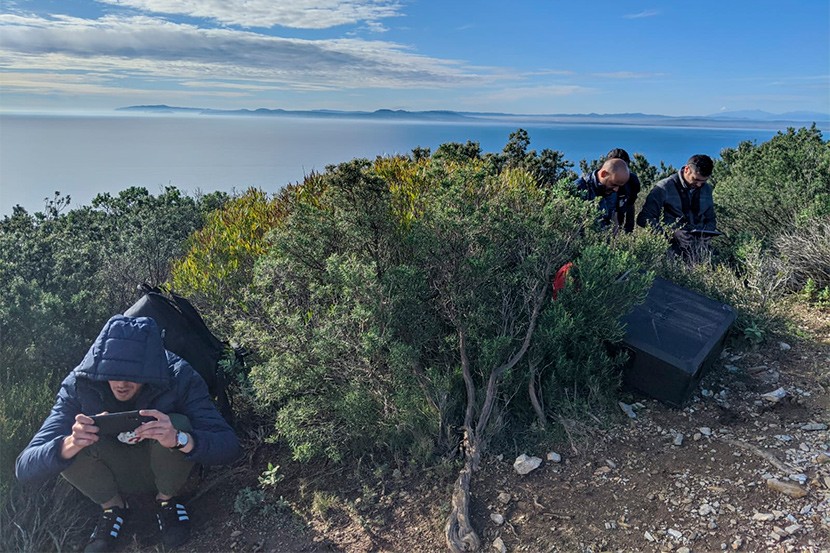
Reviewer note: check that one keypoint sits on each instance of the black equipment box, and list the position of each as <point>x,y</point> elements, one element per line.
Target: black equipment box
<point>674,337</point>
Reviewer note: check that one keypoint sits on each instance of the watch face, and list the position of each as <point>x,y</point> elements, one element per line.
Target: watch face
<point>181,439</point>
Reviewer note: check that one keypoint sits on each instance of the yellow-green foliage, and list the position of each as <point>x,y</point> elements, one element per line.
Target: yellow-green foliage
<point>222,253</point>
<point>407,180</point>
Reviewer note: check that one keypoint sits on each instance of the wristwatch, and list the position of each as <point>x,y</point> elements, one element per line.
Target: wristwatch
<point>181,440</point>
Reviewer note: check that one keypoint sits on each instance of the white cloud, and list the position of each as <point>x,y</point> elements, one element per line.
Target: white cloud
<point>145,47</point>
<point>642,14</point>
<point>302,14</point>
<point>628,75</point>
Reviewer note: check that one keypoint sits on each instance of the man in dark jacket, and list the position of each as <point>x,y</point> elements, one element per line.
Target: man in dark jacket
<point>127,368</point>
<point>683,202</point>
<point>626,205</point>
<point>608,184</point>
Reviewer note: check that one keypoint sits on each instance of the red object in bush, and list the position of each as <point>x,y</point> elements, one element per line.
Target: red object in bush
<point>560,278</point>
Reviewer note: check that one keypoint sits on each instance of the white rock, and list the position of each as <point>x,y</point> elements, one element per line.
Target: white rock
<point>678,439</point>
<point>814,426</point>
<point>784,346</point>
<point>649,537</point>
<point>674,533</point>
<point>524,464</point>
<point>627,409</point>
<point>705,430</point>
<point>800,478</point>
<point>504,498</point>
<point>554,457</point>
<point>793,528</point>
<point>775,396</point>
<point>499,546</point>
<point>763,517</point>
<point>497,518</point>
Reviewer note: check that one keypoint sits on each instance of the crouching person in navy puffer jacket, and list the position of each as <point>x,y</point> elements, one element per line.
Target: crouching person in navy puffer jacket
<point>127,368</point>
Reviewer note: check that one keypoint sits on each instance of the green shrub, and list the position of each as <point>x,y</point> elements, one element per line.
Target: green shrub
<point>777,187</point>
<point>355,309</point>
<point>577,361</point>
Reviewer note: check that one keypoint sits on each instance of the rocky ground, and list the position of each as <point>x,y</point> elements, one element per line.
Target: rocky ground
<point>745,466</point>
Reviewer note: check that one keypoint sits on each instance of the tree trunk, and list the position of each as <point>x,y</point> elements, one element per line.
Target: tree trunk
<point>461,536</point>
<point>459,531</point>
<point>535,397</point>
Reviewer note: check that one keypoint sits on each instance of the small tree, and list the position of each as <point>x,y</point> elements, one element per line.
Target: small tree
<point>779,186</point>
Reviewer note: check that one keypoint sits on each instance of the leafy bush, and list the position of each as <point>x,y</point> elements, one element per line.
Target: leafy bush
<point>316,313</point>
<point>357,307</point>
<point>777,187</point>
<point>221,255</point>
<point>574,364</point>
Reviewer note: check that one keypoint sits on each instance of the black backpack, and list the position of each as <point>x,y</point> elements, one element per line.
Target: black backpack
<point>186,334</point>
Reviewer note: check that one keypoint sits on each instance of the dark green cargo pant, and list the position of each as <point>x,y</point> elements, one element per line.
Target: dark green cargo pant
<point>109,467</point>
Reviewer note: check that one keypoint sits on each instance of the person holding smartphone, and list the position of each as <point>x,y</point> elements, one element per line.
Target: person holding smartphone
<point>683,202</point>
<point>128,369</point>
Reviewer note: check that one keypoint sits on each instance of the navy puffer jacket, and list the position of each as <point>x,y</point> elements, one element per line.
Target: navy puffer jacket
<point>129,348</point>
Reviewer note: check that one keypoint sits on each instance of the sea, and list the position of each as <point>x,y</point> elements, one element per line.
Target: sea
<point>83,156</point>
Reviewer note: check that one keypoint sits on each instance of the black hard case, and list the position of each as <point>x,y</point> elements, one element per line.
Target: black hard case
<point>674,337</point>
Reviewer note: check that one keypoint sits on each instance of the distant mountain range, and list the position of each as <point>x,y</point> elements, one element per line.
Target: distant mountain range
<point>747,118</point>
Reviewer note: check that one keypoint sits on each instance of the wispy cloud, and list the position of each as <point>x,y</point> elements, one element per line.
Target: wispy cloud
<point>148,47</point>
<point>301,14</point>
<point>628,75</point>
<point>642,14</point>
<point>93,85</point>
<point>547,72</point>
<point>538,92</point>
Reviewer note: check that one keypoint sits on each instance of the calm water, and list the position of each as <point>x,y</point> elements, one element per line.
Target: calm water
<point>84,156</point>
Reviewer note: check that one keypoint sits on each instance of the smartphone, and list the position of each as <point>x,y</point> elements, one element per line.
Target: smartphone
<point>113,424</point>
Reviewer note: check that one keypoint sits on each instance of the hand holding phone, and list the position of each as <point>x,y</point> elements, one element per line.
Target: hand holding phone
<point>113,424</point>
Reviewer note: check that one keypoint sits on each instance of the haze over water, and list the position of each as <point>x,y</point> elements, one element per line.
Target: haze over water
<point>84,155</point>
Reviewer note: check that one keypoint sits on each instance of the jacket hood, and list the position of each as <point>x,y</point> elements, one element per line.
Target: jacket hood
<point>127,348</point>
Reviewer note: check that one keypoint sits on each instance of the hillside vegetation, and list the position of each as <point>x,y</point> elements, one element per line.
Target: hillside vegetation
<point>398,307</point>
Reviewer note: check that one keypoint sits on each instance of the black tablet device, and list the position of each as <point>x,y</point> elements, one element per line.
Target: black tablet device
<point>115,423</point>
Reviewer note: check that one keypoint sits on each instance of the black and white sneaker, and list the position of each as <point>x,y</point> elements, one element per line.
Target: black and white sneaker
<point>108,531</point>
<point>174,522</point>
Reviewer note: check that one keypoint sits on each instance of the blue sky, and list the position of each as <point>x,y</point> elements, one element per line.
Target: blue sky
<point>518,56</point>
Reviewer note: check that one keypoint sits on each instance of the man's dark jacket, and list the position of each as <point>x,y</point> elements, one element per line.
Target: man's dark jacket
<point>610,203</point>
<point>131,349</point>
<point>625,209</point>
<point>666,198</point>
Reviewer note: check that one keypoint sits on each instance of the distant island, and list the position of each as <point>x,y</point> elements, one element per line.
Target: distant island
<point>734,119</point>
